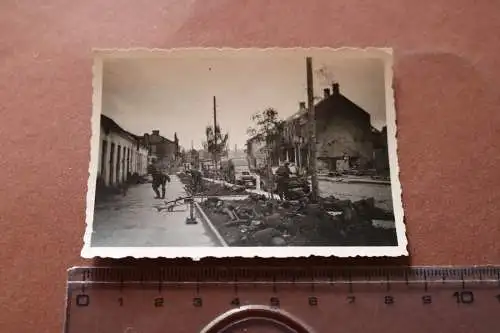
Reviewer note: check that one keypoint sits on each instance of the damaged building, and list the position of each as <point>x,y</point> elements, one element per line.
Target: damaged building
<point>343,133</point>
<point>161,147</point>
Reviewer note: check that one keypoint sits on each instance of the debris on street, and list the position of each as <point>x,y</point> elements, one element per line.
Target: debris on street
<point>214,189</point>
<point>260,221</point>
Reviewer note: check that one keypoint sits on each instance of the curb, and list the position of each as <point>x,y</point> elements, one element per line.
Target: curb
<point>254,191</point>
<point>355,181</point>
<point>210,225</point>
<point>222,197</point>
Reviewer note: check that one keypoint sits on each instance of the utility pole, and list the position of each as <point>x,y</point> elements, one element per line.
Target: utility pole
<point>312,130</point>
<point>215,135</point>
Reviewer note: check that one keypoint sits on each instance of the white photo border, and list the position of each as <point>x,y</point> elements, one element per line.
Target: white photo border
<point>197,253</point>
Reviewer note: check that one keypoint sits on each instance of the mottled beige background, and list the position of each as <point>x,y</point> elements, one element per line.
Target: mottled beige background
<point>447,81</point>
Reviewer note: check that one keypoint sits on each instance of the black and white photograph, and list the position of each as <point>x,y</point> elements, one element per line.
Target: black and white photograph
<point>278,152</point>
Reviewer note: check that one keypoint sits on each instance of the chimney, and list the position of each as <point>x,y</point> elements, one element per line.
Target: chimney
<point>302,105</point>
<point>326,93</point>
<point>335,88</point>
<point>156,132</point>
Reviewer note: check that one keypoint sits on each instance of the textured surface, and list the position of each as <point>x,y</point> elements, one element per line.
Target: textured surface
<point>447,77</point>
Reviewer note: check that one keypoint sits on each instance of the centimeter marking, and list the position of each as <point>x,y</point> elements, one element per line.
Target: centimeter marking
<point>466,279</point>
<point>160,277</point>
<point>477,287</point>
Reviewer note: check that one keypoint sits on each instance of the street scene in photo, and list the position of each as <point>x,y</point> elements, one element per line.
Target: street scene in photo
<point>245,148</point>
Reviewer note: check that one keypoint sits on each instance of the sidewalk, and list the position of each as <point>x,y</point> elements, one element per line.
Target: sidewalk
<point>133,220</point>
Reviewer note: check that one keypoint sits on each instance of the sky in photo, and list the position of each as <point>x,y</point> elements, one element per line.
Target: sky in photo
<point>174,93</point>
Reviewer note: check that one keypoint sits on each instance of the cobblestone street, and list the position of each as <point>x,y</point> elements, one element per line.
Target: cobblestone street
<point>352,191</point>
<point>133,220</point>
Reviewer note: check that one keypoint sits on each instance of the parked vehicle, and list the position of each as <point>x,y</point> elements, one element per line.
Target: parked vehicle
<point>239,172</point>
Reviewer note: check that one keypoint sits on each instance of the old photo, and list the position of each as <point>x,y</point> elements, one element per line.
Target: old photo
<point>206,152</point>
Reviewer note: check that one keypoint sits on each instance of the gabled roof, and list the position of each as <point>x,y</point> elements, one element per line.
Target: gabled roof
<point>338,102</point>
<point>334,102</point>
<point>159,139</point>
<point>296,115</point>
<point>111,125</point>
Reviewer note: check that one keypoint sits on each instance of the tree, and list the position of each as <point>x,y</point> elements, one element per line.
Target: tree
<point>177,147</point>
<point>216,143</point>
<point>194,157</point>
<point>183,155</point>
<point>268,130</point>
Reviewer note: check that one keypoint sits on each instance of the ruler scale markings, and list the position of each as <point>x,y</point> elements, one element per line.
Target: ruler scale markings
<point>330,278</point>
<point>407,282</point>
<point>350,283</point>
<point>482,284</point>
<point>160,280</point>
<point>235,285</point>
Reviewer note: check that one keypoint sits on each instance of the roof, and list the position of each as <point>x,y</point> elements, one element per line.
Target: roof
<point>332,103</point>
<point>338,102</point>
<point>158,139</point>
<point>296,115</point>
<point>110,124</point>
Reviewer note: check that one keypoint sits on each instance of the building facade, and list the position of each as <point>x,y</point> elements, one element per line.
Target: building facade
<point>343,134</point>
<point>381,151</point>
<point>256,154</point>
<point>121,154</point>
<point>162,148</point>
<point>295,133</point>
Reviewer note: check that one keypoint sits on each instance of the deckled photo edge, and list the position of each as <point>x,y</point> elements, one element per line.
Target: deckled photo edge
<point>196,253</point>
<point>116,53</point>
<point>199,253</point>
<point>392,132</point>
<point>97,81</point>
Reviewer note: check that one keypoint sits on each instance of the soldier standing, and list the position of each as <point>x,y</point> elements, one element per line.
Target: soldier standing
<point>283,175</point>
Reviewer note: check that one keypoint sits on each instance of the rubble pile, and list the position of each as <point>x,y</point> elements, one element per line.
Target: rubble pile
<point>297,187</point>
<point>260,221</point>
<point>214,189</point>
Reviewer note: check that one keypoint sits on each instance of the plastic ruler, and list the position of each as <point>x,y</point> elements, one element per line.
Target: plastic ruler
<point>194,299</point>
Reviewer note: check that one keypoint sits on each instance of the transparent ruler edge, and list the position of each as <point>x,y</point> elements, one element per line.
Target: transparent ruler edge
<point>425,278</point>
<point>277,275</point>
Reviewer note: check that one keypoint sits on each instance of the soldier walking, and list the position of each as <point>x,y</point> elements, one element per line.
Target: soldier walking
<point>160,178</point>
